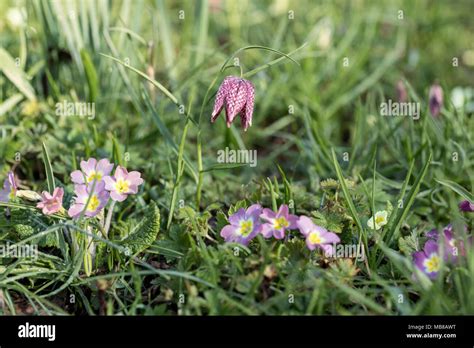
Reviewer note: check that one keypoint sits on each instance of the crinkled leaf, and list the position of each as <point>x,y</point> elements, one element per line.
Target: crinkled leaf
<point>145,233</point>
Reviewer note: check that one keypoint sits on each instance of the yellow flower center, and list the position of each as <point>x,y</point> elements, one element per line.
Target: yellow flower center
<point>280,223</point>
<point>93,203</point>
<point>122,186</point>
<point>246,227</point>
<point>432,264</point>
<point>94,176</point>
<point>379,219</point>
<point>315,238</point>
<point>12,194</point>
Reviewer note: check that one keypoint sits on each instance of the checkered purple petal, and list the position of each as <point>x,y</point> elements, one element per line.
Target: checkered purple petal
<point>247,112</point>
<point>220,96</point>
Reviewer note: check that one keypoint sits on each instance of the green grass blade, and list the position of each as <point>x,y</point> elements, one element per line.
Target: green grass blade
<point>48,169</point>
<point>401,215</point>
<point>91,75</point>
<point>457,188</point>
<point>146,77</point>
<point>223,166</point>
<point>15,75</point>
<point>346,193</point>
<point>10,103</point>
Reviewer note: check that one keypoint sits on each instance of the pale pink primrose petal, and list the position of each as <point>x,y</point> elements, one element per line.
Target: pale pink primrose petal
<point>88,166</point>
<point>77,177</point>
<point>104,167</point>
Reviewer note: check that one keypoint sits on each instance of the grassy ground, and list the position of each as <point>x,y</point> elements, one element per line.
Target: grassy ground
<point>151,68</point>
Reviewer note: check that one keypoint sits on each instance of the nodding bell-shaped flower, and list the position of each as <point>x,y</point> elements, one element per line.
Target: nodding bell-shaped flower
<point>435,99</point>
<point>402,94</point>
<point>237,96</point>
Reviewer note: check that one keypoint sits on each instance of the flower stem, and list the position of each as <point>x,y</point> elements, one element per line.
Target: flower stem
<point>109,218</point>
<point>199,159</point>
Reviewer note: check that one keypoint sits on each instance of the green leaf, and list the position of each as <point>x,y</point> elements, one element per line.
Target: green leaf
<point>24,231</point>
<point>457,188</point>
<point>223,166</point>
<point>238,205</point>
<point>179,173</point>
<point>402,192</point>
<point>48,169</point>
<point>27,223</point>
<point>116,153</point>
<point>359,297</point>
<point>145,233</point>
<point>287,186</point>
<point>409,244</point>
<point>346,193</point>
<point>168,137</point>
<point>10,103</point>
<point>401,214</point>
<point>91,75</point>
<point>15,75</point>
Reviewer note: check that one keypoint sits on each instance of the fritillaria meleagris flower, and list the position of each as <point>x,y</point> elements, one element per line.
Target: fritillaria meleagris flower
<point>237,96</point>
<point>435,99</point>
<point>402,94</point>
